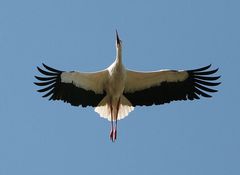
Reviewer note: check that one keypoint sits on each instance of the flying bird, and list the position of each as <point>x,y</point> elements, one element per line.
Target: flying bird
<point>115,91</point>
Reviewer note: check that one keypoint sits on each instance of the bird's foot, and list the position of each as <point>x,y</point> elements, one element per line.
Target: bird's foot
<point>113,135</point>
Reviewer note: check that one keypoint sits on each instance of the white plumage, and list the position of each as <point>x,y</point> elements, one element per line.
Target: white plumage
<point>115,91</point>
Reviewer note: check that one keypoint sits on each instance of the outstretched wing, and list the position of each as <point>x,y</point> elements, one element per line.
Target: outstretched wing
<point>148,88</point>
<point>76,88</point>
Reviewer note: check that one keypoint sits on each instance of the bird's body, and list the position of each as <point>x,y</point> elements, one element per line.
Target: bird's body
<point>115,91</point>
<point>116,80</point>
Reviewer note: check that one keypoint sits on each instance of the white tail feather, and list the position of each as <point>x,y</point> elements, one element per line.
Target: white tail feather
<point>103,108</point>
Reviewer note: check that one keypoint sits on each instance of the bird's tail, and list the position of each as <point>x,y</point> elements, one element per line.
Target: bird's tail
<point>103,108</point>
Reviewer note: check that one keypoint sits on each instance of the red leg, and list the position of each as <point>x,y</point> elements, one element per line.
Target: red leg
<point>112,128</point>
<point>115,129</point>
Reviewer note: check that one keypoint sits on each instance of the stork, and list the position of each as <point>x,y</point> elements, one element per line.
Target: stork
<point>115,91</point>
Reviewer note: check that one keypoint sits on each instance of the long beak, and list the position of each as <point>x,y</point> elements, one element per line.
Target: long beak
<point>118,40</point>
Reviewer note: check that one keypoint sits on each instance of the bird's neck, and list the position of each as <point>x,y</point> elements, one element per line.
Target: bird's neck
<point>119,56</point>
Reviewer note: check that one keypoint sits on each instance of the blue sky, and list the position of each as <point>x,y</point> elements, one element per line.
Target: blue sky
<point>39,137</point>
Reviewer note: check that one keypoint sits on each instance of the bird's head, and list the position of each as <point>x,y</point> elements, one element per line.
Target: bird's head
<point>118,41</point>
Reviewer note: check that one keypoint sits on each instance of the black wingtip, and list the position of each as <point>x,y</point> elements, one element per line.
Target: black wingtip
<point>45,78</point>
<point>206,72</point>
<point>201,69</point>
<point>45,83</point>
<point>206,77</point>
<point>46,88</point>
<point>46,72</point>
<point>51,69</point>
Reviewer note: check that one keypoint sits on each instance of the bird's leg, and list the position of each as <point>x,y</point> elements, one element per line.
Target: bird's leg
<point>116,117</point>
<point>115,130</point>
<point>112,128</point>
